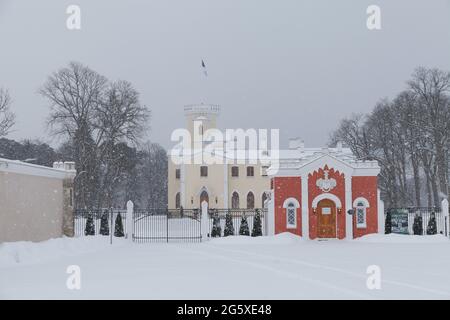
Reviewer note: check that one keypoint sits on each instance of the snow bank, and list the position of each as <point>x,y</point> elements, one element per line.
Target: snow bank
<point>402,238</point>
<point>282,238</point>
<point>26,252</point>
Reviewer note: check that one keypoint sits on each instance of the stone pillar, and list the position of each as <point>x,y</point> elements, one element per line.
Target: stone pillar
<point>380,213</point>
<point>130,220</point>
<point>204,221</point>
<point>446,214</point>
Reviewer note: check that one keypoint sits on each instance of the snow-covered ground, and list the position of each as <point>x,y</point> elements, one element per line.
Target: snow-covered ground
<point>279,267</point>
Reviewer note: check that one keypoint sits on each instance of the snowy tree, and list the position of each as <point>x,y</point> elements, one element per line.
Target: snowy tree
<point>7,118</point>
<point>216,228</point>
<point>432,227</point>
<point>104,223</point>
<point>417,225</point>
<point>89,230</point>
<point>118,226</point>
<point>229,228</point>
<point>388,223</point>
<point>257,224</point>
<point>243,229</point>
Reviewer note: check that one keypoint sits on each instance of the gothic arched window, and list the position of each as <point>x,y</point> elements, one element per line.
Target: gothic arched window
<point>235,200</point>
<point>250,200</point>
<point>177,201</point>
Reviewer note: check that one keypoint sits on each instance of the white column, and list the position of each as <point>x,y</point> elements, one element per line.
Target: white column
<point>380,213</point>
<point>225,183</point>
<point>130,221</point>
<point>445,213</point>
<point>348,206</point>
<point>304,205</point>
<point>204,221</point>
<point>270,219</point>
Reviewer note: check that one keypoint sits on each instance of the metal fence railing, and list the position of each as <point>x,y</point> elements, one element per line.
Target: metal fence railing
<point>236,216</point>
<point>89,222</point>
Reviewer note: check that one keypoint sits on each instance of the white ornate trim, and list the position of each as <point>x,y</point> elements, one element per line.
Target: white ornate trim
<point>361,199</point>
<point>293,200</point>
<point>329,196</point>
<point>326,184</point>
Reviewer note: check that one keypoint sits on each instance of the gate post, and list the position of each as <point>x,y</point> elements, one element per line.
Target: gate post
<point>130,221</point>
<point>380,213</point>
<point>445,213</point>
<point>204,221</point>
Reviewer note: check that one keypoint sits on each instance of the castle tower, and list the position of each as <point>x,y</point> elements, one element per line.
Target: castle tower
<point>199,118</point>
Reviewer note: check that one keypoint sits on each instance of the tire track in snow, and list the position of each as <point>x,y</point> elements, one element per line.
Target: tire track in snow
<point>295,275</point>
<point>334,269</point>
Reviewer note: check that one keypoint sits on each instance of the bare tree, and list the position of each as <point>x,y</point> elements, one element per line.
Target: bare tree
<point>75,93</point>
<point>7,118</point>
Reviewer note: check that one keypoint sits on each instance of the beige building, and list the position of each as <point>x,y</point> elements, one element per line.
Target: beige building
<point>35,201</point>
<point>231,184</point>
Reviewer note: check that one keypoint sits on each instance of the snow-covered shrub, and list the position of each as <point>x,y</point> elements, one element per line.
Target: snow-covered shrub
<point>388,223</point>
<point>243,229</point>
<point>417,225</point>
<point>432,227</point>
<point>229,228</point>
<point>257,225</point>
<point>89,229</point>
<point>216,228</point>
<point>104,224</point>
<point>118,229</point>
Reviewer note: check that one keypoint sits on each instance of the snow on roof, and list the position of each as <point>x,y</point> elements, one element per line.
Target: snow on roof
<point>20,167</point>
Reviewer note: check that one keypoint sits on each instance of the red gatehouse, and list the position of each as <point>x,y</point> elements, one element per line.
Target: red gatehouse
<point>324,193</point>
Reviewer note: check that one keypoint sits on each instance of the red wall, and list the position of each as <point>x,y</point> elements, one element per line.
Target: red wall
<point>366,187</point>
<point>286,187</point>
<point>338,191</point>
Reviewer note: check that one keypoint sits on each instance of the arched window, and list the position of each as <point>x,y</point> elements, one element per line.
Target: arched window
<point>235,200</point>
<point>177,201</point>
<point>250,200</point>
<point>204,197</point>
<point>291,205</point>
<point>361,213</point>
<point>263,199</point>
<point>361,204</point>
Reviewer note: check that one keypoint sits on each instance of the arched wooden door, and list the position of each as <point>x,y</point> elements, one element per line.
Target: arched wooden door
<point>326,219</point>
<point>204,197</point>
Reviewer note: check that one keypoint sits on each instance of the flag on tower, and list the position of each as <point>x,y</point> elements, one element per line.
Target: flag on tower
<point>204,68</point>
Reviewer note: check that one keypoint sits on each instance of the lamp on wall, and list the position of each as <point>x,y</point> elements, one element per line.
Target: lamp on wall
<point>314,210</point>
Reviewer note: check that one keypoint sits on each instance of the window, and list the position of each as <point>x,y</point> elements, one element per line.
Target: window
<point>264,171</point>
<point>203,171</point>
<point>250,200</point>
<point>235,171</point>
<point>291,205</point>
<point>177,173</point>
<point>235,200</point>
<point>263,200</point>
<point>177,201</point>
<point>250,171</point>
<point>291,215</point>
<point>361,215</point>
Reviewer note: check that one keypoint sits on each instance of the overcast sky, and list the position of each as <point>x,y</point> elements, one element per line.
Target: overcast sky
<point>299,66</point>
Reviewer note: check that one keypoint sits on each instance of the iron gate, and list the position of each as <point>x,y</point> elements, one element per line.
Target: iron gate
<point>167,225</point>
